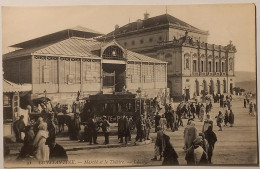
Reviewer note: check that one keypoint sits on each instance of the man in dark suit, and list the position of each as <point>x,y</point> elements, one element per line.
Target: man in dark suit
<point>92,128</point>
<point>57,152</point>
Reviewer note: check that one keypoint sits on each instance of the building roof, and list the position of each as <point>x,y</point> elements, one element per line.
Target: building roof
<point>77,31</point>
<point>139,57</point>
<point>156,21</point>
<point>10,87</point>
<point>76,47</point>
<point>84,29</point>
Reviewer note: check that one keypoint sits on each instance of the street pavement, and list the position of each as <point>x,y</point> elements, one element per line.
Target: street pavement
<point>236,145</point>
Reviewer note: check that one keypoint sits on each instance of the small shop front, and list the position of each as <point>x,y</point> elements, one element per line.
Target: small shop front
<point>11,104</point>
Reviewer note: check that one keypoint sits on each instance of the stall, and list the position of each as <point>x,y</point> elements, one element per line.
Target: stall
<point>11,104</point>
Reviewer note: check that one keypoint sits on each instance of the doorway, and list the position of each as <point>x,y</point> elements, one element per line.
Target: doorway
<point>113,77</point>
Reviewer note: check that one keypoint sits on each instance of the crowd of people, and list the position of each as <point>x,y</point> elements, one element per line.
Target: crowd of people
<point>40,144</point>
<point>198,146</point>
<point>39,141</point>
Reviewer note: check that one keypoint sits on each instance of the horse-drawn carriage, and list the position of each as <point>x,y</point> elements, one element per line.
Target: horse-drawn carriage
<point>115,105</point>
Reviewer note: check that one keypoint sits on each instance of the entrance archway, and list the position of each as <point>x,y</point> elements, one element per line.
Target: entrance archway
<point>113,77</point>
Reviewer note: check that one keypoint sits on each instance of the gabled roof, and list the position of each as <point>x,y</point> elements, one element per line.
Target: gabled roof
<point>77,31</point>
<point>156,21</point>
<point>77,47</point>
<point>9,87</point>
<point>74,47</point>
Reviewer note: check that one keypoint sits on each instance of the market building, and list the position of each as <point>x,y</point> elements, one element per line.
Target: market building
<point>68,62</point>
<point>195,67</point>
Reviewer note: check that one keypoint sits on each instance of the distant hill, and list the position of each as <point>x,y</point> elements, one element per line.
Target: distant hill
<point>249,86</point>
<point>242,76</point>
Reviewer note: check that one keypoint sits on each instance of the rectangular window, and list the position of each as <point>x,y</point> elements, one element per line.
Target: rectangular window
<point>7,100</point>
<point>202,66</point>
<point>223,67</point>
<point>217,69</point>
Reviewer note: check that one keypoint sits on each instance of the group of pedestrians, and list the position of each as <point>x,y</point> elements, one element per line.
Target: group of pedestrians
<point>201,150</point>
<point>40,144</point>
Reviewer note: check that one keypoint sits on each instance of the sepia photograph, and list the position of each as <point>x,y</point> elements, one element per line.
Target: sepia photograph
<point>129,86</point>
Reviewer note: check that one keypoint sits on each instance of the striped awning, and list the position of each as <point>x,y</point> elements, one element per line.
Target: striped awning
<point>10,87</point>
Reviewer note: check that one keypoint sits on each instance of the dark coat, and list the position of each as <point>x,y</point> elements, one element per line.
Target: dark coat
<point>19,125</point>
<point>231,117</point>
<point>211,137</point>
<point>157,119</point>
<point>58,153</point>
<point>169,154</point>
<point>123,128</point>
<point>226,119</point>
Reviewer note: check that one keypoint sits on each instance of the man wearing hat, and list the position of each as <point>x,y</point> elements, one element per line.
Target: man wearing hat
<point>105,128</point>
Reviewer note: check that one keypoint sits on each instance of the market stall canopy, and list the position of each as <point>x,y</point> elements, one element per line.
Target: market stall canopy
<point>10,87</point>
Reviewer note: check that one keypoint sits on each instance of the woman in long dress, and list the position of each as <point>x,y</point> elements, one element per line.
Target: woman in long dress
<point>42,150</point>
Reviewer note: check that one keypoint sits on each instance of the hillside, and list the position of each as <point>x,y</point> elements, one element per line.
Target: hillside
<point>249,86</point>
<point>242,76</point>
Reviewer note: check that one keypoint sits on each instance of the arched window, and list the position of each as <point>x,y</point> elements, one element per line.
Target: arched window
<point>113,52</point>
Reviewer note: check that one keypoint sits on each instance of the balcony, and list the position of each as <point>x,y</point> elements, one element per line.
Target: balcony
<point>203,73</point>
<point>217,73</point>
<point>195,73</point>
<point>223,73</point>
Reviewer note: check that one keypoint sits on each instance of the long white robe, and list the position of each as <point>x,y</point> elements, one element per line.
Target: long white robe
<point>43,151</point>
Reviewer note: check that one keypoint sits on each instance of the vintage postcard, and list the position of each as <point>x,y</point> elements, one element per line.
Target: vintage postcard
<point>128,86</point>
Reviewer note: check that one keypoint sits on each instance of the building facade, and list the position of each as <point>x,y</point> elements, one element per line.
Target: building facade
<point>78,64</point>
<point>195,67</point>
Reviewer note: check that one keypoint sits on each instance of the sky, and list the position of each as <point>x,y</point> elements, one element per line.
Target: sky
<point>234,22</point>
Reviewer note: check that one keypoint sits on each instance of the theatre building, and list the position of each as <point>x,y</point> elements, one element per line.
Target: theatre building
<point>70,61</point>
<point>195,67</point>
